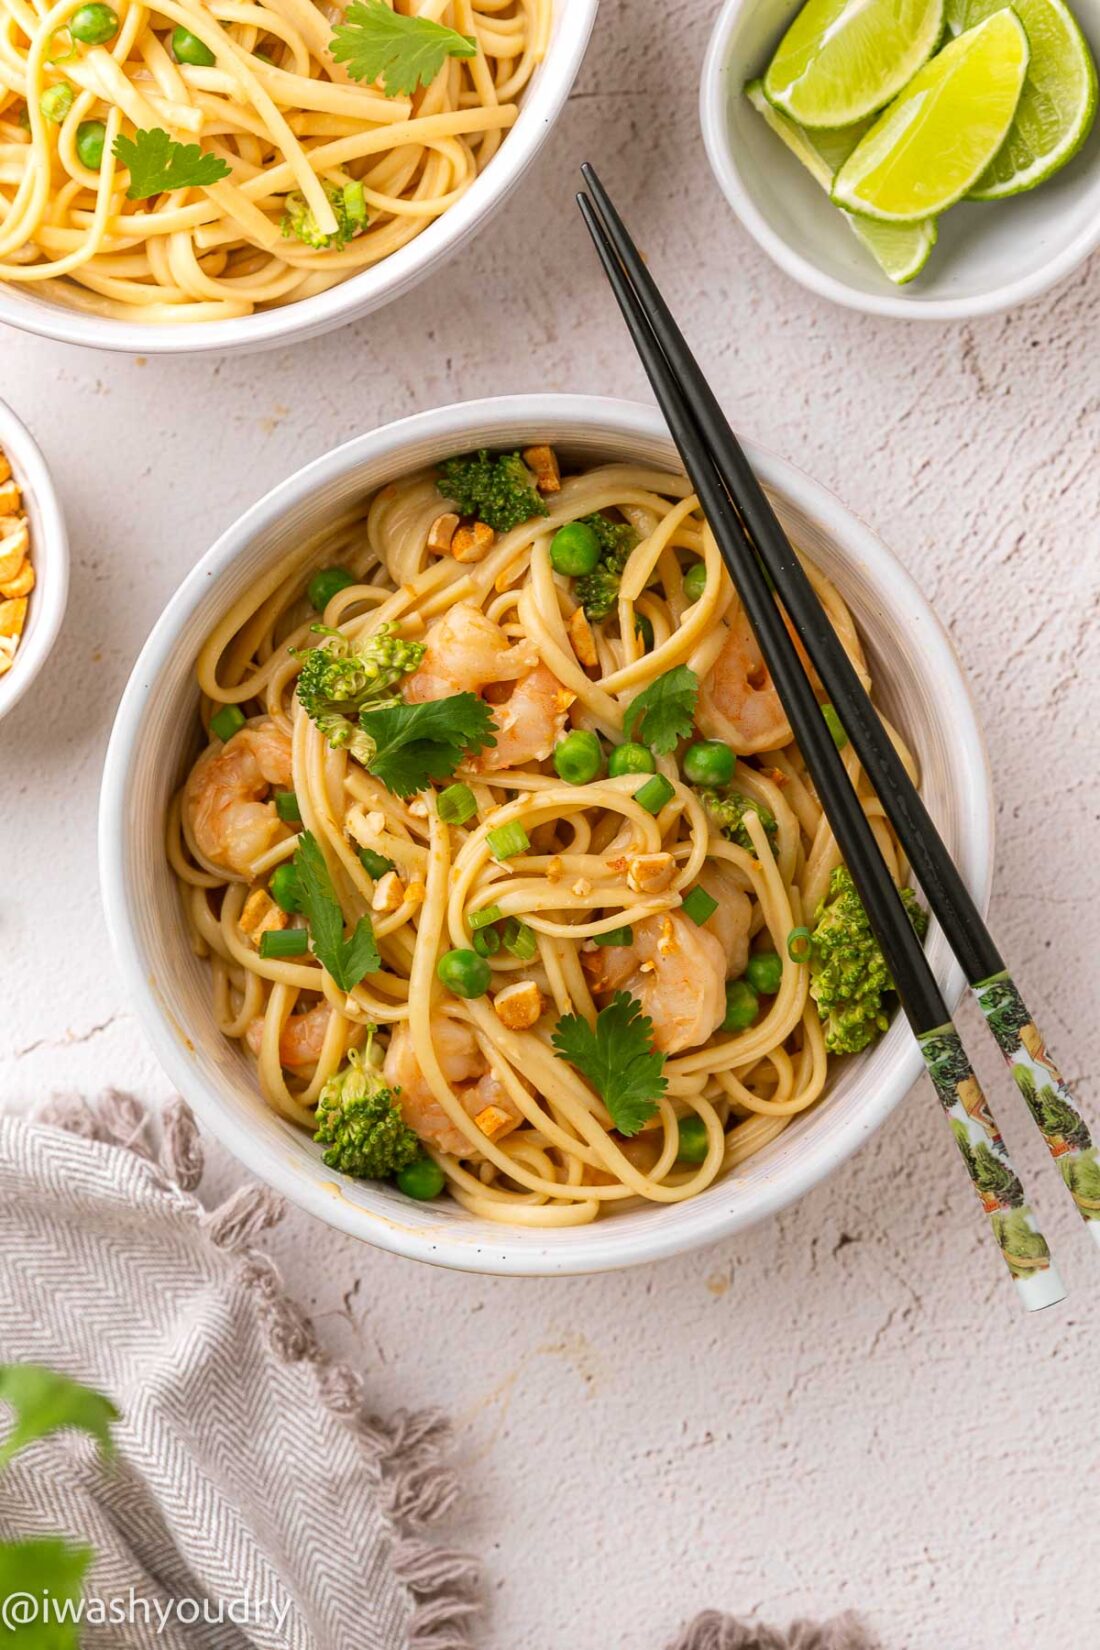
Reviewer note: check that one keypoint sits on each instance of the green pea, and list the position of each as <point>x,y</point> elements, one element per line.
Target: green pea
<point>188,48</point>
<point>693,1142</point>
<point>710,762</point>
<point>645,630</point>
<point>326,584</point>
<point>464,973</point>
<point>422,1179</point>
<point>578,757</point>
<point>91,135</point>
<point>56,101</point>
<point>835,726</point>
<point>631,758</point>
<point>764,972</point>
<point>285,888</point>
<point>695,580</point>
<point>742,1006</point>
<point>94,24</point>
<point>574,549</point>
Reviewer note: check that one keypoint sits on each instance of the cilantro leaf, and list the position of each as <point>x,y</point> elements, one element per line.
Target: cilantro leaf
<point>156,163</point>
<point>346,960</point>
<point>37,1569</point>
<point>664,712</point>
<point>376,43</point>
<point>618,1059</point>
<point>415,744</point>
<point>45,1401</point>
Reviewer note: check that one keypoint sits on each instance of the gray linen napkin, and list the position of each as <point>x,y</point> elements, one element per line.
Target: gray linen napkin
<point>250,1476</point>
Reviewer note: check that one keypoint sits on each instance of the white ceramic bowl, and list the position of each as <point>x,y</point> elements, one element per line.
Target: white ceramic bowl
<point>49,557</point>
<point>920,685</point>
<point>990,255</point>
<point>540,106</point>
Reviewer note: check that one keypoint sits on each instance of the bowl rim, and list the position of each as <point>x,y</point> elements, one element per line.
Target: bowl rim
<point>49,557</point>
<point>610,1244</point>
<point>1007,295</point>
<point>372,288</point>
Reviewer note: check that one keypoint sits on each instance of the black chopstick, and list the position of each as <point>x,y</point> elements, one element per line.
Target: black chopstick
<point>917,988</point>
<point>1046,1092</point>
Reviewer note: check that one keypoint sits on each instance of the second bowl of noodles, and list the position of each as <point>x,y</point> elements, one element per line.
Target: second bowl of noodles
<point>450,817</point>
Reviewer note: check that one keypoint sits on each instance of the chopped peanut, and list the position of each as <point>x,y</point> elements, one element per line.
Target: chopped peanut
<point>473,542</point>
<point>555,870</point>
<point>650,873</point>
<point>415,893</point>
<point>441,533</point>
<point>389,893</point>
<point>544,462</point>
<point>495,1120</point>
<point>582,888</point>
<point>518,1006</point>
<point>581,638</point>
<point>13,615</point>
<point>260,915</point>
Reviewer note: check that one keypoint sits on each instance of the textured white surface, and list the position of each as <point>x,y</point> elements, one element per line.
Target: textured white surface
<point>845,1407</point>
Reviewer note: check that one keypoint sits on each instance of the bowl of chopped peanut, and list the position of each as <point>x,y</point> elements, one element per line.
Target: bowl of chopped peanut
<point>34,560</point>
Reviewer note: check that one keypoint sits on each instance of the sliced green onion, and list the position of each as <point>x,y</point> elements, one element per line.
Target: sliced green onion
<point>699,905</point>
<point>56,101</point>
<point>375,865</point>
<point>456,804</point>
<point>226,722</point>
<point>284,942</point>
<point>506,841</point>
<point>286,806</point>
<point>520,939</point>
<point>654,794</point>
<point>800,945</point>
<point>615,936</point>
<point>835,726</point>
<point>486,941</point>
<point>485,917</point>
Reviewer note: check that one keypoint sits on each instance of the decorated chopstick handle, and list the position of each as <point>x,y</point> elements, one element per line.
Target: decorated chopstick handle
<point>990,1168</point>
<point>1046,1093</point>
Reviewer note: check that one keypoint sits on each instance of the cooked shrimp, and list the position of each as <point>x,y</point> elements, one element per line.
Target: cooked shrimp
<point>301,1040</point>
<point>676,970</point>
<point>467,1072</point>
<point>468,653</point>
<point>738,700</point>
<point>224,802</point>
<point>730,923</point>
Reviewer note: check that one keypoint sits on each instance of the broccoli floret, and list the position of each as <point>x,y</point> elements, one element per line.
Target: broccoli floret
<point>849,979</point>
<point>598,591</point>
<point>349,205</point>
<point>728,809</point>
<point>498,491</point>
<point>360,1123</point>
<point>341,678</point>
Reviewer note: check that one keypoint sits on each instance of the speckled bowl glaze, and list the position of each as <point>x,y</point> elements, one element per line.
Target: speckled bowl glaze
<point>540,105</point>
<point>918,681</point>
<point>49,557</point>
<point>991,255</point>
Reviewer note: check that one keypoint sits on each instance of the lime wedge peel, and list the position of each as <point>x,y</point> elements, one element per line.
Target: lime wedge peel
<point>841,60</point>
<point>936,140</point>
<point>900,250</point>
<point>1057,105</point>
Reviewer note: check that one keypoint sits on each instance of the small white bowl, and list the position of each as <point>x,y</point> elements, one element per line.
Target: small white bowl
<point>919,683</point>
<point>540,105</point>
<point>990,255</point>
<point>49,557</point>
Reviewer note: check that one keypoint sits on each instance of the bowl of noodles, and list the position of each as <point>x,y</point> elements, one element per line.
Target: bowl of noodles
<point>458,857</point>
<point>205,175</point>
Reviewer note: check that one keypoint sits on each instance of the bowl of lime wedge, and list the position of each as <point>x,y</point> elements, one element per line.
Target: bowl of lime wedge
<point>918,158</point>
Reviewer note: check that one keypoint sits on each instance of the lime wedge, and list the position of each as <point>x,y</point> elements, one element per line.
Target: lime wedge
<point>1057,105</point>
<point>934,141</point>
<point>900,249</point>
<point>840,60</point>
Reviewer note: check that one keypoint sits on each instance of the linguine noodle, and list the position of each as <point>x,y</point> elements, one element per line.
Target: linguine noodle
<point>276,108</point>
<point>559,1160</point>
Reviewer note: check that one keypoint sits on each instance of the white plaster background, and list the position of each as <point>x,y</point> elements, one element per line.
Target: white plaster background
<point>843,1407</point>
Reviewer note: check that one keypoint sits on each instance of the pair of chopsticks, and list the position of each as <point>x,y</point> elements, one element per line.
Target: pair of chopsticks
<point>756,549</point>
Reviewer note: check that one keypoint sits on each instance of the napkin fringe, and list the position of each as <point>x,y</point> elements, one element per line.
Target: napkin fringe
<point>408,1450</point>
<point>713,1631</point>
